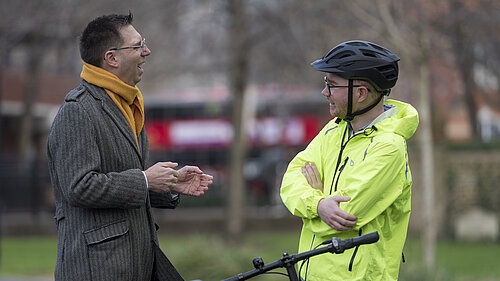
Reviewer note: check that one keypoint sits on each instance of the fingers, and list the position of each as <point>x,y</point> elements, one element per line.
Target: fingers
<point>311,173</point>
<point>340,227</point>
<point>169,170</point>
<point>308,172</point>
<point>206,180</point>
<point>350,218</point>
<point>338,223</point>
<point>168,164</point>
<point>339,198</point>
<point>344,215</point>
<point>200,191</point>
<point>349,221</point>
<point>315,171</point>
<point>191,169</point>
<point>336,218</point>
<point>162,177</point>
<point>192,190</point>
<point>171,175</point>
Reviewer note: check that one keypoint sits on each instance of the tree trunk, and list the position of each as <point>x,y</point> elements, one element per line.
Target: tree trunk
<point>427,156</point>
<point>1,114</point>
<point>237,81</point>
<point>465,57</point>
<point>30,92</point>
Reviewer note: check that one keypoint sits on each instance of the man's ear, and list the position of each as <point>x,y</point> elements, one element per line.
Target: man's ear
<point>110,59</point>
<point>363,93</point>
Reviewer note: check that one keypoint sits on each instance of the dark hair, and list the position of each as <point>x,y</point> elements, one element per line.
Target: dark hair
<point>100,35</point>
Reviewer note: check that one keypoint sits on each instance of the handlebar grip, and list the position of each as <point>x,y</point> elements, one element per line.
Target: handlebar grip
<point>366,239</point>
<point>340,246</point>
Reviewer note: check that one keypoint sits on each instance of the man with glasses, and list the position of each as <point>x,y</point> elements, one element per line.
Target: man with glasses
<point>98,155</point>
<point>354,178</point>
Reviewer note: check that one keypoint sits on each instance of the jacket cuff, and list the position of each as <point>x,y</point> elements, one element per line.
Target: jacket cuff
<point>313,205</point>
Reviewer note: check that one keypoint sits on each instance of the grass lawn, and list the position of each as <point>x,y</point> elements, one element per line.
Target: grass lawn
<point>27,255</point>
<point>208,257</point>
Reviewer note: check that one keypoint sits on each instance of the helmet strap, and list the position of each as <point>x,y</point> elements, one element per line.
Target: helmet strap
<point>349,116</point>
<point>368,108</point>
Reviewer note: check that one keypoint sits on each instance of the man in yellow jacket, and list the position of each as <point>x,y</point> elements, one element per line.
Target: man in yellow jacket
<point>354,177</point>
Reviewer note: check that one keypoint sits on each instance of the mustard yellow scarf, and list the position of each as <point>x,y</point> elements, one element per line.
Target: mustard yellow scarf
<point>127,98</point>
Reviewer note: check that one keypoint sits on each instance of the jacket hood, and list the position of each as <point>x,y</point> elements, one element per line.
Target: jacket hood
<point>404,123</point>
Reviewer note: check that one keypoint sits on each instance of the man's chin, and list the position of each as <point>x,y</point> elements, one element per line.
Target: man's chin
<point>335,115</point>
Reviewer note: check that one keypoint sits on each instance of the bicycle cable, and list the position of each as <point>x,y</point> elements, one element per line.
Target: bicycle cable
<point>276,272</point>
<point>307,260</point>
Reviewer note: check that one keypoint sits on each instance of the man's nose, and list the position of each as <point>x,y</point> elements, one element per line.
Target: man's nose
<point>146,52</point>
<point>325,92</point>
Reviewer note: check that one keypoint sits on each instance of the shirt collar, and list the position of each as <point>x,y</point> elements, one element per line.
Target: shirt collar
<point>389,111</point>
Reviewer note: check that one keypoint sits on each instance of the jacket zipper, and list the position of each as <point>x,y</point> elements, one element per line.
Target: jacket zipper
<point>354,254</point>
<point>340,172</point>
<point>339,160</point>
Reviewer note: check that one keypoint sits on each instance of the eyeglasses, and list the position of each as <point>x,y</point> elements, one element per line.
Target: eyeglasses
<point>142,46</point>
<point>341,86</point>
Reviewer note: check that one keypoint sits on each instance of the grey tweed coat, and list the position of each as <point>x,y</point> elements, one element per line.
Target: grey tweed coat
<point>103,208</point>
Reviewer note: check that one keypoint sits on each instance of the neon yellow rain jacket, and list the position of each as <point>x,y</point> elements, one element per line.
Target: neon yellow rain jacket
<point>371,168</point>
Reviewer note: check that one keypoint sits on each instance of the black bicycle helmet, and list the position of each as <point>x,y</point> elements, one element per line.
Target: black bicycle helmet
<point>361,60</point>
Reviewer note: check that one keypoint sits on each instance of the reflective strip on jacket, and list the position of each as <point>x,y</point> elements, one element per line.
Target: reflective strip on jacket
<point>371,168</point>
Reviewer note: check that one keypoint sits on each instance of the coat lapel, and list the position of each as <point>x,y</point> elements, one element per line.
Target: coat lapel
<point>115,114</point>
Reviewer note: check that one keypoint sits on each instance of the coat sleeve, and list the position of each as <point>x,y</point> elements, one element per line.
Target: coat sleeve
<point>166,200</point>
<point>373,187</point>
<point>297,195</point>
<point>76,158</point>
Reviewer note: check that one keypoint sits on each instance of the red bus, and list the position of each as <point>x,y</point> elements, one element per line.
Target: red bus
<point>201,134</point>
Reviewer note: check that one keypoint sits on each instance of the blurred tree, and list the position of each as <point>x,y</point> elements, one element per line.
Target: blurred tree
<point>9,37</point>
<point>237,75</point>
<point>34,37</point>
<point>471,28</point>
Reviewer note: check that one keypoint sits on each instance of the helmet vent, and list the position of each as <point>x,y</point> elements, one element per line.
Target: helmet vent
<point>356,43</point>
<point>385,68</point>
<point>378,48</point>
<point>344,54</point>
<point>369,53</point>
<point>332,51</point>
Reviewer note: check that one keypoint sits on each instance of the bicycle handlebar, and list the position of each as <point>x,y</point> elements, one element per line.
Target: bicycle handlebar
<point>335,245</point>
<point>356,241</point>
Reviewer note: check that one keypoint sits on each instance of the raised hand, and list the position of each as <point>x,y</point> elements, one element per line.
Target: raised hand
<point>192,181</point>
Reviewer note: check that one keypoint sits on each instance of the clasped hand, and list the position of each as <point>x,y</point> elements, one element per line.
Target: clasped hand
<point>188,180</point>
<point>328,209</point>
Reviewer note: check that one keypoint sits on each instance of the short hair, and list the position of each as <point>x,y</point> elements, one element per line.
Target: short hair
<point>100,35</point>
<point>374,94</point>
<point>367,84</point>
